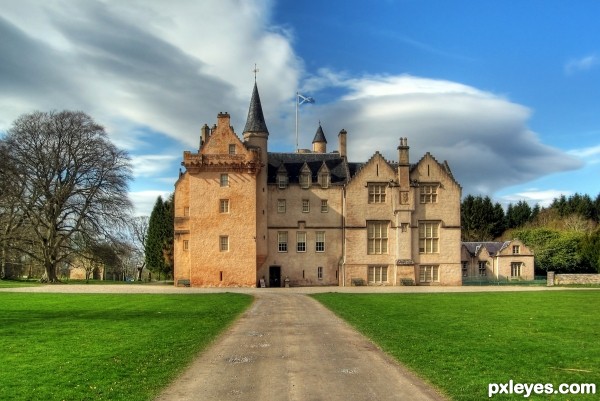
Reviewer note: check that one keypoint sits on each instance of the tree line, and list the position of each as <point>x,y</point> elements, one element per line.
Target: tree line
<point>565,236</point>
<point>64,201</point>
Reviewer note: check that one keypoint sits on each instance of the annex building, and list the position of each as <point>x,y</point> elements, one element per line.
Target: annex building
<point>248,217</point>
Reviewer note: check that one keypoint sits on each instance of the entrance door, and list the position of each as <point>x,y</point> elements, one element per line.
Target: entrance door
<point>274,276</point>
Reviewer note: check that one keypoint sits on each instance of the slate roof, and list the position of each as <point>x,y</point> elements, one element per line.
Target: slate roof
<point>320,135</point>
<point>256,119</point>
<point>293,162</point>
<point>492,247</point>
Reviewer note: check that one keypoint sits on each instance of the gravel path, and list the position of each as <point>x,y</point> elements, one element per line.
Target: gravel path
<point>290,347</point>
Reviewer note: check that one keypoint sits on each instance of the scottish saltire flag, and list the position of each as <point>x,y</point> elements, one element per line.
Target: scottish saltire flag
<point>304,99</point>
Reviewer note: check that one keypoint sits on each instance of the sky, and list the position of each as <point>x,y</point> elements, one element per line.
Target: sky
<point>508,92</point>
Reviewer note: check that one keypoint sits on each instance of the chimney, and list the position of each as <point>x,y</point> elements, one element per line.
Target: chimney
<point>342,142</point>
<point>204,134</point>
<point>223,119</point>
<point>403,164</point>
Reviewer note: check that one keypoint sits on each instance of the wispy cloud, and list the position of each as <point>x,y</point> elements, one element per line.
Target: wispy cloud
<point>534,196</point>
<point>581,64</point>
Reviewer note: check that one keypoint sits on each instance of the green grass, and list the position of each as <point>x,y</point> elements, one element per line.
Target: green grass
<point>104,347</point>
<point>18,283</point>
<point>462,342</point>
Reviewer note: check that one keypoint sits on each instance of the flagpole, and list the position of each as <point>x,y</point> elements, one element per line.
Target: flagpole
<point>296,101</point>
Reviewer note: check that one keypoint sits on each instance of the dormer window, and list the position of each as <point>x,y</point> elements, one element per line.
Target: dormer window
<point>324,176</point>
<point>304,180</point>
<point>282,181</point>
<point>324,180</point>
<point>305,177</point>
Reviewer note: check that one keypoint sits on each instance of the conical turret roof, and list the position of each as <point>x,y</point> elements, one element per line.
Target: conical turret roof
<point>320,135</point>
<point>256,120</point>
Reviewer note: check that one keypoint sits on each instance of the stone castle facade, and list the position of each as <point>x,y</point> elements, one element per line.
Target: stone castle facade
<point>248,217</point>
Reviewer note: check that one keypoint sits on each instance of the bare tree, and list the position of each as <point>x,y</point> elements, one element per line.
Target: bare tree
<point>138,233</point>
<point>75,183</point>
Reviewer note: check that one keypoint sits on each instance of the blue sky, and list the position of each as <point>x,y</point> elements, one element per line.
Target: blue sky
<point>507,92</point>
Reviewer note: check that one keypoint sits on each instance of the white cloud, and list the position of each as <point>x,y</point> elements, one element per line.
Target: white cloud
<point>592,152</point>
<point>534,196</point>
<point>151,165</point>
<point>483,136</point>
<point>144,200</point>
<point>582,64</point>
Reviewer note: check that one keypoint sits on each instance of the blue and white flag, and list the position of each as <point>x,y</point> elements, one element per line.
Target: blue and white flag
<point>304,99</point>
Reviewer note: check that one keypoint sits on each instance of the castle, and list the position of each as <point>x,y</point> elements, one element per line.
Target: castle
<point>248,217</point>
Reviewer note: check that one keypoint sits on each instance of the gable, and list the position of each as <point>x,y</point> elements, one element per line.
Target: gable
<point>428,169</point>
<point>376,169</point>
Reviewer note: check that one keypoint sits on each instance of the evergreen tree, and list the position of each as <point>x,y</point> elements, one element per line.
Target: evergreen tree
<point>167,243</point>
<point>517,215</point>
<point>481,220</point>
<point>155,260</point>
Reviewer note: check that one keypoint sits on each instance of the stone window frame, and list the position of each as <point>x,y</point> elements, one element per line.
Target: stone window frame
<point>516,250</point>
<point>377,237</point>
<point>516,267</point>
<point>377,192</point>
<point>482,268</point>
<point>324,179</point>
<point>224,206</point>
<point>324,206</point>
<point>377,274</point>
<point>224,243</point>
<point>305,180</point>
<point>281,206</point>
<point>464,267</point>
<point>320,273</point>
<point>429,273</point>
<point>282,241</point>
<point>231,149</point>
<point>224,180</point>
<point>282,181</point>
<point>428,193</point>
<point>320,241</point>
<point>305,205</point>
<point>186,244</point>
<point>301,241</point>
<point>429,237</point>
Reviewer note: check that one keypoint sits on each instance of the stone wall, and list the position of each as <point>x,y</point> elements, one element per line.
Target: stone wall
<point>575,278</point>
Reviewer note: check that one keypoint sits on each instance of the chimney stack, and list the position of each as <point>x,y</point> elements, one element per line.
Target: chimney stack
<point>342,142</point>
<point>204,134</point>
<point>403,164</point>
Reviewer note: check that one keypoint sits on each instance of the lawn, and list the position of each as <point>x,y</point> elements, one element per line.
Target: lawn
<point>462,342</point>
<point>104,347</point>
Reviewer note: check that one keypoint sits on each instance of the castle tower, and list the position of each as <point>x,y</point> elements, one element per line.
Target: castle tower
<point>256,135</point>
<point>319,142</point>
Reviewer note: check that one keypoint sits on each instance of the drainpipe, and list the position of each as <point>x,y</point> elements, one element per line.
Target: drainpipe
<point>343,236</point>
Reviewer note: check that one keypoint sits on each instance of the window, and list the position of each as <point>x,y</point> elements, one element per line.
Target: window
<point>377,237</point>
<point>305,206</point>
<point>280,205</point>
<point>305,180</point>
<point>429,237</point>
<point>186,244</point>
<point>282,239</point>
<point>224,180</point>
<point>224,206</point>
<point>465,268</point>
<point>232,149</point>
<point>429,193</point>
<point>320,272</point>
<point>482,269</point>
<point>515,269</point>
<point>320,241</point>
<point>378,274</point>
<point>186,211</point>
<point>324,180</point>
<point>282,181</point>
<point>224,243</point>
<point>429,274</point>
<point>324,206</point>
<point>516,249</point>
<point>300,241</point>
<point>376,193</point>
